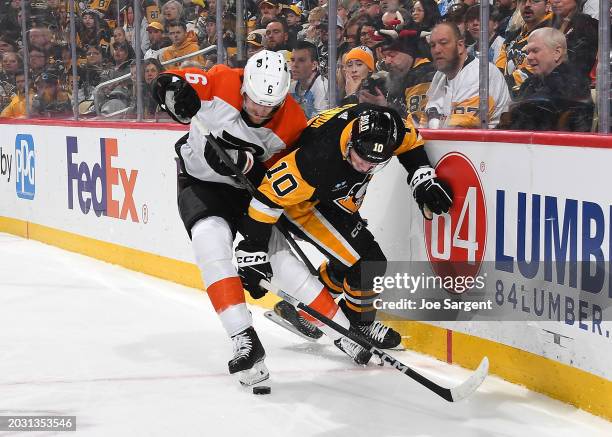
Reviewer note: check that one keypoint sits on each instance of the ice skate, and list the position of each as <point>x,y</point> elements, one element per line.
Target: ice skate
<point>248,360</point>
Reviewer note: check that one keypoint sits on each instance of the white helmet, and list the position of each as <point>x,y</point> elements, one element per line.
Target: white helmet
<point>266,78</point>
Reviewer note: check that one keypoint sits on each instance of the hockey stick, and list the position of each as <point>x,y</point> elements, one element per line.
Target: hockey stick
<point>454,394</point>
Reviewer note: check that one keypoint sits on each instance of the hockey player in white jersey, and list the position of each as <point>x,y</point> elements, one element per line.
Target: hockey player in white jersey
<point>452,98</point>
<point>251,116</point>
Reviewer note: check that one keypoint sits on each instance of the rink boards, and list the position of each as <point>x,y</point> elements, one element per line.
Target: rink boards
<point>109,191</point>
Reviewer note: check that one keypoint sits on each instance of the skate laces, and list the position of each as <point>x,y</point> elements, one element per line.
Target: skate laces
<point>306,324</point>
<point>242,345</point>
<point>350,347</point>
<point>376,330</point>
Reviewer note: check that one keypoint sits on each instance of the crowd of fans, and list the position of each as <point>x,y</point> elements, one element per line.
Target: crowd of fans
<point>419,56</point>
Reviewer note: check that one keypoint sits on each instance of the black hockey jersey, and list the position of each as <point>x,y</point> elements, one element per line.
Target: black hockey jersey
<point>319,172</point>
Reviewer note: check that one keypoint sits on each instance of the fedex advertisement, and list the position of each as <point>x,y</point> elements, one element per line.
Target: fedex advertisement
<point>91,184</point>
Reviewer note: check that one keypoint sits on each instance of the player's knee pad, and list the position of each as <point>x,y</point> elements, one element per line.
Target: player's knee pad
<point>332,277</point>
<point>212,246</point>
<point>293,277</point>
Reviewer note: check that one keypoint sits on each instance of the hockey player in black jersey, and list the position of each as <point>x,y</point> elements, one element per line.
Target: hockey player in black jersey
<point>317,191</point>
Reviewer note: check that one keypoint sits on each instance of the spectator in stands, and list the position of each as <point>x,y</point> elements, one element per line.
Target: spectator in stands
<point>472,25</point>
<point>11,63</point>
<point>366,35</point>
<point>157,41</point>
<point>151,69</point>
<point>506,9</point>
<point>372,9</point>
<point>211,31</point>
<point>92,31</point>
<point>268,11</point>
<point>9,22</point>
<point>255,42</point>
<point>308,86</point>
<point>456,14</point>
<point>94,71</point>
<point>425,14</point>
<point>277,35</point>
<point>452,98</point>
<point>172,11</point>
<point>37,62</point>
<point>555,96</point>
<point>350,39</point>
<point>50,99</point>
<point>7,92</point>
<point>581,33</point>
<point>323,45</point>
<point>17,106</point>
<point>40,38</point>
<point>311,32</point>
<point>123,54</point>
<point>409,76</point>
<point>293,15</point>
<point>358,64</point>
<point>181,44</point>
<point>7,45</point>
<point>512,58</point>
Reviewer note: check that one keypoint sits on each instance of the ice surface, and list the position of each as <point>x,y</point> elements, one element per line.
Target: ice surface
<point>131,355</point>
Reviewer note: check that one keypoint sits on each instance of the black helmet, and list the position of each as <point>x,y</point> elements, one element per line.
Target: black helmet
<point>374,135</point>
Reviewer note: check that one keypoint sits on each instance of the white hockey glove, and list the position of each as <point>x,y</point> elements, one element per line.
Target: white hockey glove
<point>432,194</point>
<point>253,266</point>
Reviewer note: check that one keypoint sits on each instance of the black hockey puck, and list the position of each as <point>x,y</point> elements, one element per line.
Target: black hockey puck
<point>262,390</point>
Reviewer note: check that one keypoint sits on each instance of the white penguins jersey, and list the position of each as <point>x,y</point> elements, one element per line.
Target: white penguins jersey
<point>457,100</point>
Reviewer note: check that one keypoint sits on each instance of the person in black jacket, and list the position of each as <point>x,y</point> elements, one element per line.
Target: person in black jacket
<point>556,97</point>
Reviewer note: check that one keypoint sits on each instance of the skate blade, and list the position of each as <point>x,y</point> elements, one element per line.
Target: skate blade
<point>271,315</point>
<point>256,374</point>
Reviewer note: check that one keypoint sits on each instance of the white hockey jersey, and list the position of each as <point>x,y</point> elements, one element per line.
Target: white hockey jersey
<point>221,100</point>
<point>457,100</point>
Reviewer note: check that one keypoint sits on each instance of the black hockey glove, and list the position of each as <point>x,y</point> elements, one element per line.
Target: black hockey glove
<point>242,159</point>
<point>253,266</point>
<point>431,193</point>
<point>175,96</point>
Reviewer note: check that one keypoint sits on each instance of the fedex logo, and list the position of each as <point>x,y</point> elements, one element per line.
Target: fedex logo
<point>85,181</point>
<point>25,166</point>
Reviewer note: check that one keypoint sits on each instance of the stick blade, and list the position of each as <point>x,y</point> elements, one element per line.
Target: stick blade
<point>470,385</point>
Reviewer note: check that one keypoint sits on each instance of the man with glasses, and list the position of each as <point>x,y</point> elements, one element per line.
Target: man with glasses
<point>512,59</point>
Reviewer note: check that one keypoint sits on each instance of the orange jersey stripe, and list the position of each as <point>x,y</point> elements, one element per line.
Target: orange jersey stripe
<point>325,304</point>
<point>226,293</point>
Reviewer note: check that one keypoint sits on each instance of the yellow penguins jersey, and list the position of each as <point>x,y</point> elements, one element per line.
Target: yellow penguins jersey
<point>512,59</point>
<point>100,5</point>
<point>457,101</point>
<point>415,85</point>
<point>318,171</point>
<point>152,12</point>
